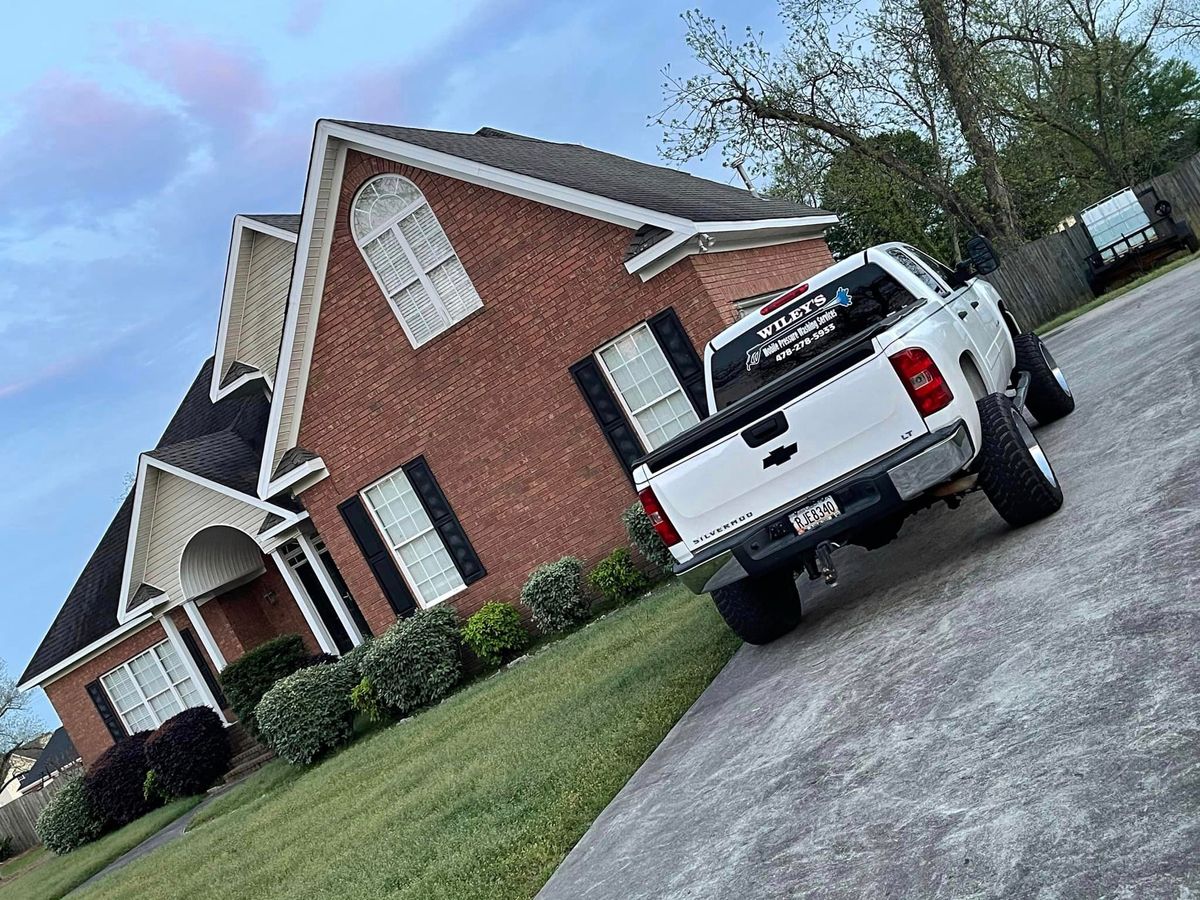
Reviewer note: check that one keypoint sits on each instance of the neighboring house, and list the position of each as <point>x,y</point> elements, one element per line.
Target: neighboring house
<point>59,756</point>
<point>438,375</point>
<point>15,763</point>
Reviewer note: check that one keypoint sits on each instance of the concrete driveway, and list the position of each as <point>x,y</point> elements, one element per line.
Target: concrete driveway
<point>973,712</point>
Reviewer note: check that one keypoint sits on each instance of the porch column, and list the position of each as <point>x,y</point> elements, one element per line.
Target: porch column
<point>185,658</point>
<point>324,640</point>
<point>206,637</point>
<point>331,591</point>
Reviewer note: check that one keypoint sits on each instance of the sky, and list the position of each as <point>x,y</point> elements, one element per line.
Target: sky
<point>131,133</point>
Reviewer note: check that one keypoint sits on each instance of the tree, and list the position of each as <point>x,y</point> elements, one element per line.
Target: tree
<point>16,723</point>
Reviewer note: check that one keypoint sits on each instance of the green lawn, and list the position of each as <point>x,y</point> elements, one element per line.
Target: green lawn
<point>19,864</point>
<point>1114,294</point>
<point>479,797</point>
<point>57,875</point>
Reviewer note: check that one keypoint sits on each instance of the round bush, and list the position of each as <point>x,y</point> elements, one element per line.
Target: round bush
<point>246,680</point>
<point>415,662</point>
<point>116,782</point>
<point>353,659</point>
<point>554,594</point>
<point>617,578</point>
<point>189,752</point>
<point>494,632</point>
<point>645,539</point>
<point>308,713</point>
<point>69,820</point>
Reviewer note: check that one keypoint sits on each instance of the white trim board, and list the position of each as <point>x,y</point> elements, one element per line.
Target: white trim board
<point>332,136</point>
<point>81,656</point>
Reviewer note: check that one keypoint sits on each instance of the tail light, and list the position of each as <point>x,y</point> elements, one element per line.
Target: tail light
<point>658,518</point>
<point>923,380</point>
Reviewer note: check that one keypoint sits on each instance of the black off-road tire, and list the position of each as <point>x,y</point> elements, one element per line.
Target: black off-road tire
<point>1049,397</point>
<point>759,610</point>
<point>1010,475</point>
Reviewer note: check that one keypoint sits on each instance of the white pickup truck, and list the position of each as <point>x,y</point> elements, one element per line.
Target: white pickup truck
<point>885,384</point>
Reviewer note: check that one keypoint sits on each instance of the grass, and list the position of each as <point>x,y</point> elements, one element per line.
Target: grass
<point>1114,294</point>
<point>58,875</point>
<point>22,863</point>
<point>256,789</point>
<point>478,797</point>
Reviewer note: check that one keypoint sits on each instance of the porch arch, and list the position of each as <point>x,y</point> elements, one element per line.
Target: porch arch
<point>216,559</point>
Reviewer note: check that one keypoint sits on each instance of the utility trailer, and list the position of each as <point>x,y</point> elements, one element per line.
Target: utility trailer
<point>1131,232</point>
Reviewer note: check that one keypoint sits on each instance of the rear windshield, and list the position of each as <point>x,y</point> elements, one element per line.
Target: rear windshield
<point>827,315</point>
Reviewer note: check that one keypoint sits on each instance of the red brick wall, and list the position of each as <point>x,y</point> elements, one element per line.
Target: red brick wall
<point>71,701</point>
<point>491,403</point>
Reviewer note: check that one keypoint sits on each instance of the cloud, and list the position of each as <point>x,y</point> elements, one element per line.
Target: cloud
<point>76,148</point>
<point>217,85</point>
<point>304,17</point>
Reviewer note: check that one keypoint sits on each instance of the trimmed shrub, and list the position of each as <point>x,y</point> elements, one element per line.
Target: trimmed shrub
<point>365,701</point>
<point>116,782</point>
<point>152,789</point>
<point>306,714</point>
<point>646,540</point>
<point>494,632</point>
<point>246,680</point>
<point>353,659</point>
<point>319,659</point>
<point>617,578</point>
<point>70,820</point>
<point>415,662</point>
<point>189,752</point>
<point>554,594</point>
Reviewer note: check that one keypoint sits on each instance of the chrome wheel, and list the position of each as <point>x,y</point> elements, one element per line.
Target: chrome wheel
<point>1034,448</point>
<point>1055,370</point>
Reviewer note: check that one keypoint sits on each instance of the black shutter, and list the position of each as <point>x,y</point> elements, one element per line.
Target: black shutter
<point>109,715</point>
<point>377,555</point>
<point>193,649</point>
<point>682,356</point>
<point>444,520</point>
<point>611,418</point>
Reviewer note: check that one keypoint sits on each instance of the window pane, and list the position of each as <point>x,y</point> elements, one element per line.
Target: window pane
<point>426,237</point>
<point>426,562</point>
<point>648,386</point>
<point>419,312</point>
<point>165,705</point>
<point>139,719</point>
<point>175,670</point>
<point>148,675</point>
<point>120,690</point>
<point>390,262</point>
<point>381,201</point>
<point>455,288</point>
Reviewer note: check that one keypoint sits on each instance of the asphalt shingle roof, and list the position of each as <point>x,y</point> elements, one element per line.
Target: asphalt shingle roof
<point>59,752</point>
<point>656,188</point>
<point>222,442</point>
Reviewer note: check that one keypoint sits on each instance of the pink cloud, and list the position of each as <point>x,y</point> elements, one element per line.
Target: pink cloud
<point>218,86</point>
<point>76,145</point>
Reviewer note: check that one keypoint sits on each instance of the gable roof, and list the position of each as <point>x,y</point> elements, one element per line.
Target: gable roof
<point>669,191</point>
<point>58,752</point>
<point>230,434</point>
<point>284,222</point>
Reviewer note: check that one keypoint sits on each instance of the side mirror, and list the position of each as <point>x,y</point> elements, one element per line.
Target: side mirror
<point>983,255</point>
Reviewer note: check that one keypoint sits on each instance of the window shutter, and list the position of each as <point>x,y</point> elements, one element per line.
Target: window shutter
<point>611,418</point>
<point>441,514</point>
<point>682,356</point>
<point>377,555</point>
<point>107,714</point>
<point>193,649</point>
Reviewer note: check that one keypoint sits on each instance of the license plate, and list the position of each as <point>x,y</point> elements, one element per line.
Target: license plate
<point>808,517</point>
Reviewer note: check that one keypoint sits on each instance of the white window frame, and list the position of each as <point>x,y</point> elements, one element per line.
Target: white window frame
<point>387,542</point>
<point>173,687</point>
<point>630,413</point>
<point>393,225</point>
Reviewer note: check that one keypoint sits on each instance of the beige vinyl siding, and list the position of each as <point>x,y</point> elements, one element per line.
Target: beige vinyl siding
<point>322,221</point>
<point>236,301</point>
<point>182,508</point>
<point>263,293</point>
<point>144,514</point>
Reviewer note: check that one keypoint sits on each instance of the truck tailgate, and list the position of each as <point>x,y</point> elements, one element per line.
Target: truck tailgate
<point>839,426</point>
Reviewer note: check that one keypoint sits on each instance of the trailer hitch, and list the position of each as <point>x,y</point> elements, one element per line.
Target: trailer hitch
<point>823,560</point>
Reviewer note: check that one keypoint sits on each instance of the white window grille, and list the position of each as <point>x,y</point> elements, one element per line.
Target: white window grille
<point>417,546</point>
<point>411,257</point>
<point>150,688</point>
<point>647,387</point>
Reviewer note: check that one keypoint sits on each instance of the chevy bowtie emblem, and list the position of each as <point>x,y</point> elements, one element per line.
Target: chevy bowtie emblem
<point>779,456</point>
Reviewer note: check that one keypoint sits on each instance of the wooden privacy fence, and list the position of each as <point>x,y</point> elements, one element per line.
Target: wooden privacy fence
<point>1048,277</point>
<point>18,818</point>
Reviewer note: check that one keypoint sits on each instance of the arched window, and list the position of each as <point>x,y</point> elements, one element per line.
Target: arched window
<point>411,257</point>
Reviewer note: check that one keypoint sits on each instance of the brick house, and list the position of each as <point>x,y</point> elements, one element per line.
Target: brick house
<point>433,379</point>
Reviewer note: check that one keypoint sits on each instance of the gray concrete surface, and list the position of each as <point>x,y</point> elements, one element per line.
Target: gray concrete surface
<point>973,712</point>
